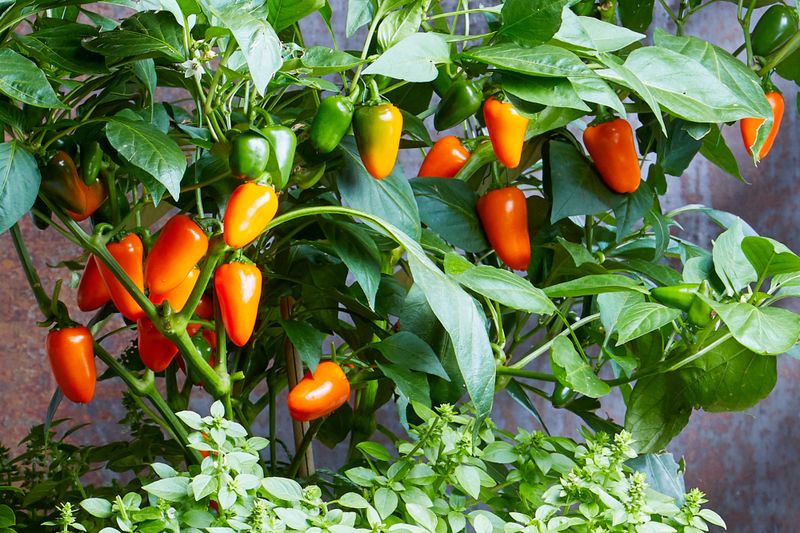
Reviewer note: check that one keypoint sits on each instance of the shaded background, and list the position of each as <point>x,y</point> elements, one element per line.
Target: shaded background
<point>745,462</point>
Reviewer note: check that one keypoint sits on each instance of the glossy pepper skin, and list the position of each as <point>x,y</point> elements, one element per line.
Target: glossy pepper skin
<point>71,355</point>
<point>91,161</point>
<point>129,253</point>
<point>283,143</point>
<point>561,395</point>
<point>319,394</point>
<point>330,124</point>
<point>40,206</point>
<point>378,129</point>
<point>62,184</point>
<point>684,297</point>
<point>95,195</point>
<point>462,100</point>
<point>178,248</point>
<point>445,158</point>
<point>249,155</point>
<point>611,146</point>
<point>238,289</point>
<point>155,349</point>
<point>775,27</point>
<point>178,296</point>
<point>749,126</point>
<point>507,129</point>
<point>250,208</point>
<point>504,217</point>
<point>92,292</point>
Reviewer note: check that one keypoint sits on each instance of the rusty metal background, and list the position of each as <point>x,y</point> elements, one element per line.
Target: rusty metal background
<point>747,463</point>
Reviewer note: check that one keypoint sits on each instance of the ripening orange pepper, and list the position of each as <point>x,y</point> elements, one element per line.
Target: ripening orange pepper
<point>749,126</point>
<point>507,129</point>
<point>378,129</point>
<point>129,253</point>
<point>504,217</point>
<point>178,296</point>
<point>319,394</point>
<point>178,248</point>
<point>238,290</point>
<point>92,292</point>
<point>94,195</point>
<point>445,158</point>
<point>250,208</point>
<point>71,355</point>
<point>611,146</point>
<point>155,349</point>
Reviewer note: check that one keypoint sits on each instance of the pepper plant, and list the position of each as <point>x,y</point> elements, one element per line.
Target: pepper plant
<point>238,210</point>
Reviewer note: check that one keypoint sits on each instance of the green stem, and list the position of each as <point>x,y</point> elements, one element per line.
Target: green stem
<point>546,346</point>
<point>518,372</point>
<point>782,53</point>
<point>297,460</point>
<point>370,34</point>
<point>42,300</point>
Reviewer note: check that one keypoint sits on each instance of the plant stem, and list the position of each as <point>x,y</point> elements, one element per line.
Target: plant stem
<point>546,346</point>
<point>518,372</point>
<point>42,300</point>
<point>782,53</point>
<point>304,446</point>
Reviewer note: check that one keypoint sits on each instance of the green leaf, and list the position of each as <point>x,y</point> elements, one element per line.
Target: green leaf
<point>633,209</point>
<point>413,59</point>
<point>636,14</point>
<point>284,13</point>
<point>21,79</point>
<point>142,35</point>
<point>717,152</point>
<point>642,318</point>
<point>594,284</point>
<point>360,253</point>
<point>60,46</point>
<point>729,378</point>
<point>621,74</point>
<point>412,385</point>
<point>408,351</point>
<point>730,262</point>
<point>390,199</point>
<point>574,185</point>
<point>19,183</point>
<point>557,92</point>
<point>469,478</point>
<point>254,34</point>
<point>7,517</point>
<point>173,489</point>
<point>448,207</point>
<point>573,371</point>
<point>764,330</point>
<point>385,502</point>
<point>596,90</point>
<point>499,285</point>
<point>359,12</point>
<point>657,411</point>
<point>307,340</point>
<point>324,60</point>
<point>543,60</point>
<point>769,257</point>
<point>149,149</point>
<point>400,24</point>
<point>531,22</point>
<point>663,474</point>
<point>282,488</point>
<point>588,33</point>
<point>611,304</point>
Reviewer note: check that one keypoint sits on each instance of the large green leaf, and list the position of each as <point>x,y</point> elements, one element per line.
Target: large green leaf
<point>719,153</point>
<point>621,74</point>
<point>574,372</point>
<point>594,284</point>
<point>360,253</point>
<point>769,257</point>
<point>663,474</point>
<point>22,80</point>
<point>149,149</point>
<point>588,33</point>
<point>730,262</point>
<point>596,90</point>
<point>413,59</point>
<point>448,208</point>
<point>729,378</point>
<point>543,60</point>
<point>636,14</point>
<point>764,330</point>
<point>254,34</point>
<point>390,199</point>
<point>408,351</point>
<point>400,24</point>
<point>642,318</point>
<point>142,35</point>
<point>60,45</point>
<point>306,339</point>
<point>657,411</point>
<point>19,183</point>
<point>557,92</point>
<point>531,22</point>
<point>284,13</point>
<point>359,12</point>
<point>324,60</point>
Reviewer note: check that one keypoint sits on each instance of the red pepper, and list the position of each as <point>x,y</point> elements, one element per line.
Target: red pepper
<point>238,290</point>
<point>92,292</point>
<point>504,216</point>
<point>180,245</point>
<point>71,354</point>
<point>129,253</point>
<point>445,158</point>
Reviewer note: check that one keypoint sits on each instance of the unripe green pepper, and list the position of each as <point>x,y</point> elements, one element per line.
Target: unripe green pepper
<point>700,312</point>
<point>65,144</point>
<point>584,8</point>
<point>283,143</point>
<point>331,123</point>
<point>677,296</point>
<point>308,177</point>
<point>442,82</point>
<point>91,161</point>
<point>40,206</point>
<point>378,129</point>
<point>561,395</point>
<point>775,27</point>
<point>249,155</point>
<point>462,100</point>
<point>62,184</point>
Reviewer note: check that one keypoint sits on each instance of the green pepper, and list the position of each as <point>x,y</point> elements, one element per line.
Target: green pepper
<point>331,123</point>
<point>306,178</point>
<point>677,296</point>
<point>283,142</point>
<point>249,155</point>
<point>462,100</point>
<point>62,184</point>
<point>91,161</point>
<point>561,396</point>
<point>700,312</point>
<point>584,8</point>
<point>442,82</point>
<point>775,27</point>
<point>40,206</point>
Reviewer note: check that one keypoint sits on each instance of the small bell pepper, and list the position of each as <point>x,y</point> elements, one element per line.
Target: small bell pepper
<point>462,100</point>
<point>445,158</point>
<point>507,128</point>
<point>775,27</point>
<point>330,124</point>
<point>283,143</point>
<point>91,162</point>
<point>378,129</point>
<point>62,184</point>
<point>249,155</point>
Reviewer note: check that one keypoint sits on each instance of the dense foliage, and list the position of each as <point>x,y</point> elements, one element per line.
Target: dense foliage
<point>254,224</point>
